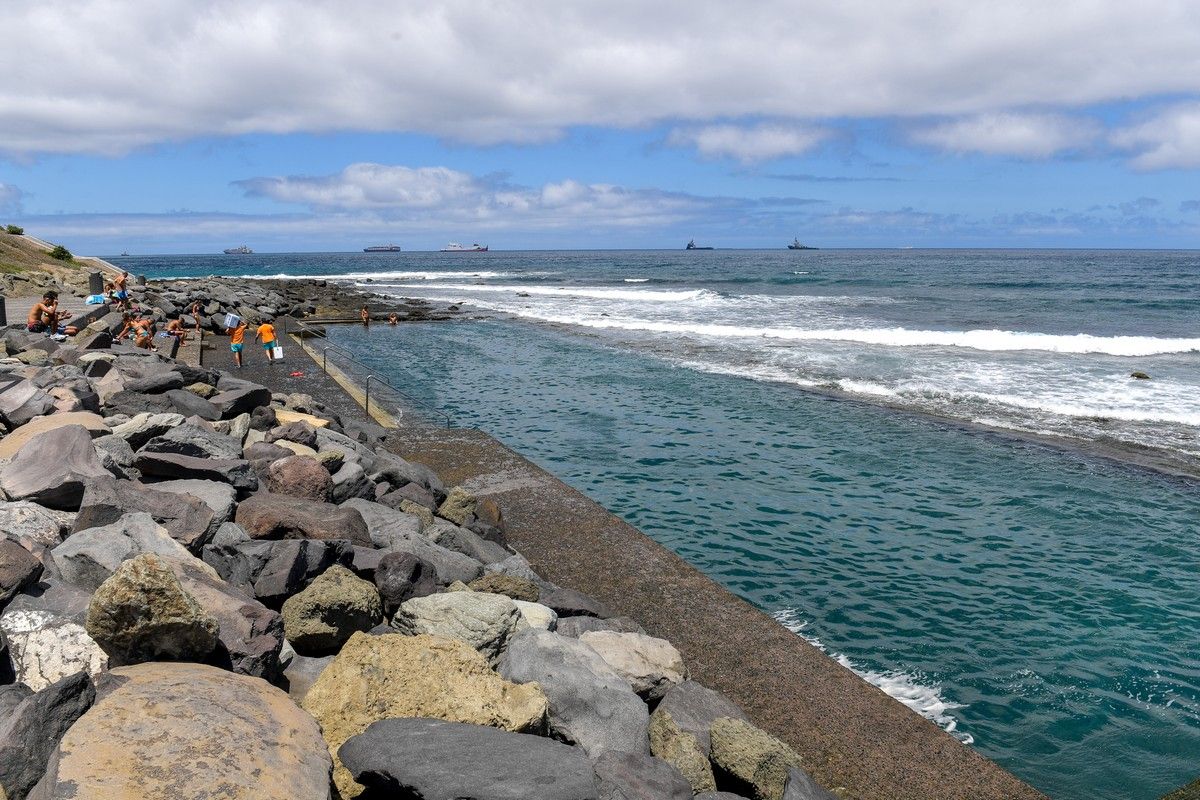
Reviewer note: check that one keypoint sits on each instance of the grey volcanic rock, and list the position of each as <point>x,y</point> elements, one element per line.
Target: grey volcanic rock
<point>318,620</point>
<point>57,481</point>
<point>219,497</point>
<point>570,603</point>
<point>275,570</point>
<point>400,532</point>
<point>144,426</point>
<point>88,558</point>
<point>142,613</point>
<point>299,476</point>
<point>349,482</point>
<point>46,638</point>
<point>157,383</point>
<point>116,455</point>
<point>801,786</point>
<point>30,734</point>
<point>271,516</point>
<point>201,732</point>
<point>403,576</point>
<point>299,432</point>
<point>262,418</point>
<point>386,525</point>
<point>577,626</point>
<point>21,401</point>
<point>694,708</point>
<point>410,491</point>
<point>461,540</point>
<point>188,520</point>
<point>484,621</point>
<point>235,472</point>
<point>18,569</point>
<point>30,523</point>
<point>437,760</point>
<point>634,776</point>
<point>192,439</point>
<point>232,402</point>
<point>133,403</point>
<point>302,672</point>
<point>652,666</point>
<point>191,404</point>
<point>590,704</point>
<point>398,472</point>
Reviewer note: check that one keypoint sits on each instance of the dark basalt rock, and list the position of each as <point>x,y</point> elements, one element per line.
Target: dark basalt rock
<point>272,516</point>
<point>436,760</point>
<point>635,776</point>
<point>402,576</point>
<point>34,729</point>
<point>236,472</point>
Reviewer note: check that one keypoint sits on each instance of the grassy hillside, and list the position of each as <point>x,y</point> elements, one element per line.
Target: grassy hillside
<point>27,267</point>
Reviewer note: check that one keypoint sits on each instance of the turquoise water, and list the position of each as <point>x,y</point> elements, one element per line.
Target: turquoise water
<point>1041,604</point>
<point>1044,606</point>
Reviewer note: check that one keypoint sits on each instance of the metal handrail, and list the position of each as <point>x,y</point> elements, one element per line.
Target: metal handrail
<point>372,374</point>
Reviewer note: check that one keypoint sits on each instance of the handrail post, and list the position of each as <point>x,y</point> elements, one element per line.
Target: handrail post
<point>367,399</point>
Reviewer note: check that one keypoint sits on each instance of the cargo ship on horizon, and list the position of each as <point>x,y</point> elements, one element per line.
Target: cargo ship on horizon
<point>382,248</point>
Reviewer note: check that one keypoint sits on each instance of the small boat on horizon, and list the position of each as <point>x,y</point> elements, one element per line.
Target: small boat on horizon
<point>382,248</point>
<point>795,245</point>
<point>238,251</point>
<point>693,246</point>
<point>455,247</point>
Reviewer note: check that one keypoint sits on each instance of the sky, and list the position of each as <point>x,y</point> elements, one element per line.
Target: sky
<point>295,125</point>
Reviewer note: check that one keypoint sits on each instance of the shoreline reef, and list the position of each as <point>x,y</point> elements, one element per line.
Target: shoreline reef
<point>210,587</point>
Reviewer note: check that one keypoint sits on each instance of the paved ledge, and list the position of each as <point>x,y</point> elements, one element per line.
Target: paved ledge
<point>852,736</point>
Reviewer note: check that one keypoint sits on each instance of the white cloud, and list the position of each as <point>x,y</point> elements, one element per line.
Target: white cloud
<point>105,76</point>
<point>1025,135</point>
<point>441,195</point>
<point>10,198</point>
<point>748,144</point>
<point>1169,139</point>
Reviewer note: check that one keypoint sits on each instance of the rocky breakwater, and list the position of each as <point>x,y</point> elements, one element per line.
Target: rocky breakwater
<point>211,590</point>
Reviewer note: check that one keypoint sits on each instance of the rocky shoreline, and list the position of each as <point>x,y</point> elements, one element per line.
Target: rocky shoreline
<point>208,589</point>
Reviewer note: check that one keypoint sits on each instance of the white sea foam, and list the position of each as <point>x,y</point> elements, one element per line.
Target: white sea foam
<point>400,275</point>
<point>593,292</point>
<point>986,340</point>
<point>921,698</point>
<point>637,280</point>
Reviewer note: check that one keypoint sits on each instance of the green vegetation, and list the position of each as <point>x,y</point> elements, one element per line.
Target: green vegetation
<point>10,269</point>
<point>61,253</point>
<point>15,230</point>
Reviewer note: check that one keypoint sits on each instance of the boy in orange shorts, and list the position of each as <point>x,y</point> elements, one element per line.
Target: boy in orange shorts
<point>236,337</point>
<point>266,333</point>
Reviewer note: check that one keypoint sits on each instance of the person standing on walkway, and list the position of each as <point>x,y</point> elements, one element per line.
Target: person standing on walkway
<point>237,336</point>
<point>266,334</point>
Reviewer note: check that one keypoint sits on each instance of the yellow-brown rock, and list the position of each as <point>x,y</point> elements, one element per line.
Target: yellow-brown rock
<point>381,677</point>
<point>178,731</point>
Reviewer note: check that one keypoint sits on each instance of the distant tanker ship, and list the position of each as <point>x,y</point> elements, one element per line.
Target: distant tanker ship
<point>382,248</point>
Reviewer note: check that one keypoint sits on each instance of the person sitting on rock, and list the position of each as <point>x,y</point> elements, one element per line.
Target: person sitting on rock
<point>266,333</point>
<point>392,318</point>
<point>237,337</point>
<point>175,328</point>
<point>45,317</point>
<point>139,330</point>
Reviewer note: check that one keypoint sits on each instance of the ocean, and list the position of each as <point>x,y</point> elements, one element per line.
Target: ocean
<point>934,465</point>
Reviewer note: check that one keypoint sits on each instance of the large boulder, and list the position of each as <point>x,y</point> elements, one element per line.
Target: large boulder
<point>88,558</point>
<point>430,758</point>
<point>636,776</point>
<point>383,677</point>
<point>398,472</point>
<point>13,442</point>
<point>299,476</point>
<point>400,532</point>
<point>237,472</point>
<point>299,431</point>
<point>461,540</point>
<point>30,733</point>
<point>195,439</point>
<point>590,704</point>
<point>536,615</point>
<point>318,620</point>
<point>484,621</point>
<point>221,498</point>
<point>273,571</point>
<point>681,750</point>
<point>30,524</point>
<point>693,708</point>
<point>18,569</point>
<point>752,757</point>
<point>572,603</point>
<point>403,576</point>
<point>53,468</point>
<point>241,400</point>
<point>800,786</point>
<point>190,403</point>
<point>21,401</point>
<point>200,732</point>
<point>187,520</point>
<point>46,638</point>
<point>273,516</point>
<point>513,586</point>
<point>350,481</point>
<point>144,426</point>
<point>578,626</point>
<point>142,613</point>
<point>458,507</point>
<point>652,666</point>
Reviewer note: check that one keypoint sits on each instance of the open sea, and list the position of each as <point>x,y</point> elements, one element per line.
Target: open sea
<point>934,465</point>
